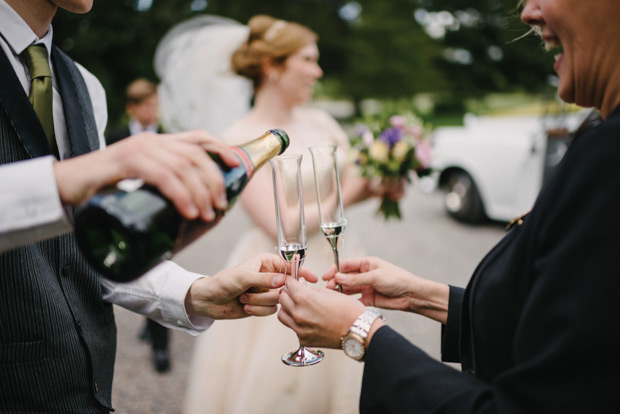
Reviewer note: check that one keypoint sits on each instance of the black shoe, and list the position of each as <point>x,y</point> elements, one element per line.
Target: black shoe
<point>161,360</point>
<point>145,334</point>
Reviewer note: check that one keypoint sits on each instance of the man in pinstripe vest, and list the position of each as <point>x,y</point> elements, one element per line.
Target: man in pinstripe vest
<point>57,330</point>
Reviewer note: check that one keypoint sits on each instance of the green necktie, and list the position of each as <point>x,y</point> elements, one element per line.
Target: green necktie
<point>41,90</point>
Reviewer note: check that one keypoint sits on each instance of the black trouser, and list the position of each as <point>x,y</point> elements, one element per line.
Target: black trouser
<point>158,334</point>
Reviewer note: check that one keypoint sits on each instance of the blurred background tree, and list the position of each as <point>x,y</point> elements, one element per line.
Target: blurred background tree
<point>390,49</point>
<point>483,48</point>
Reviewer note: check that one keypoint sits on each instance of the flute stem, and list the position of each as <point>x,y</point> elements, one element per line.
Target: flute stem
<point>337,260</point>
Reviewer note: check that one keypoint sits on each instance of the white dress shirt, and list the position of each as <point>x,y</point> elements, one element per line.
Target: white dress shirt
<point>135,127</point>
<point>31,209</point>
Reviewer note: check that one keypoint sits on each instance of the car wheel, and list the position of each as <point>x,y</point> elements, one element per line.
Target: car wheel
<point>462,200</point>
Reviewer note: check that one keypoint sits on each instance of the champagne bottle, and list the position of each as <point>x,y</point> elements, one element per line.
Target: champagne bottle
<point>123,234</point>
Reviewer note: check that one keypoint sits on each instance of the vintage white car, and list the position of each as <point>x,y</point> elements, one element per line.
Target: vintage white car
<point>493,167</point>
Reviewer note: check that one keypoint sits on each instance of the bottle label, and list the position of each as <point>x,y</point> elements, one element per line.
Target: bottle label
<point>245,159</point>
<point>129,185</point>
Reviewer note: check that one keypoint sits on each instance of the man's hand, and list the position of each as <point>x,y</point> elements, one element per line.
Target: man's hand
<point>248,289</point>
<point>177,164</point>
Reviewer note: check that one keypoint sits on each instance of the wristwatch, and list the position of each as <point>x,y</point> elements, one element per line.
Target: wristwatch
<point>354,342</point>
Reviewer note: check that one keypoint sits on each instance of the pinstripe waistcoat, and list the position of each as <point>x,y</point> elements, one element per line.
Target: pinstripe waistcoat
<point>57,335</point>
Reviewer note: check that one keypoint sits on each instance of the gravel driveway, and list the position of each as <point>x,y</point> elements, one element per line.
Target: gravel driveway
<point>426,241</point>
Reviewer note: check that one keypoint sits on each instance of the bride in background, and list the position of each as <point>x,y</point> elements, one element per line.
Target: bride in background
<point>236,366</point>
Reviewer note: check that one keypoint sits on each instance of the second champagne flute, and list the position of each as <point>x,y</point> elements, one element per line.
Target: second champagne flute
<point>329,197</point>
<point>288,194</point>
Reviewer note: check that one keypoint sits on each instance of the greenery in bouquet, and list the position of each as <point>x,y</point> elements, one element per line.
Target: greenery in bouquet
<point>391,148</point>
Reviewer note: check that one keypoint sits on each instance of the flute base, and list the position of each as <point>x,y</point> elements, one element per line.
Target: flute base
<point>303,357</point>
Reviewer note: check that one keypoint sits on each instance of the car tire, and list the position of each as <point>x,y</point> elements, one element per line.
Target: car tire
<point>462,200</point>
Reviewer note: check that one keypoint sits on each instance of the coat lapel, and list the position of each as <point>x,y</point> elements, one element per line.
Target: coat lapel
<point>77,106</point>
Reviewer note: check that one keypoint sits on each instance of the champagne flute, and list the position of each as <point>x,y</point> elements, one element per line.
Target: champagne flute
<point>288,194</point>
<point>329,196</point>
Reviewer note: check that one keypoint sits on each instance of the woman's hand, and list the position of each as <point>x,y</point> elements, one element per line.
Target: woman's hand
<point>387,286</point>
<point>177,164</point>
<point>394,188</point>
<point>356,189</point>
<point>318,317</point>
<point>248,289</point>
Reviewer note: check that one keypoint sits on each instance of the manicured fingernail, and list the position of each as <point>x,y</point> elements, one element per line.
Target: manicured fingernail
<point>243,298</point>
<point>192,210</point>
<point>278,280</point>
<point>222,202</point>
<point>209,214</point>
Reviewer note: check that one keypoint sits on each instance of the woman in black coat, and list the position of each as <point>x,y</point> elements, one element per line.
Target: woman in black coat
<point>536,330</point>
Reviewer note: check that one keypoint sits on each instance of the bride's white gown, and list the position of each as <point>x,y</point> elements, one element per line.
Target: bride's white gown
<point>236,364</point>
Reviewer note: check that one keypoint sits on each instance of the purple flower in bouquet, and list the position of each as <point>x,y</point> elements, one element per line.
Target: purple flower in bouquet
<point>391,136</point>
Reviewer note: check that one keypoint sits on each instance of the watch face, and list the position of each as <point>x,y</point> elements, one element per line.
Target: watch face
<point>353,347</point>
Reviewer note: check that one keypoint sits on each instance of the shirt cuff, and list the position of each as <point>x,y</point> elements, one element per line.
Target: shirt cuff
<point>160,295</point>
<point>30,204</point>
<point>173,293</point>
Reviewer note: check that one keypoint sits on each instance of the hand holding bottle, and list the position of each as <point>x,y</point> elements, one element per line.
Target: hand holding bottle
<point>125,232</point>
<point>226,295</point>
<point>177,164</point>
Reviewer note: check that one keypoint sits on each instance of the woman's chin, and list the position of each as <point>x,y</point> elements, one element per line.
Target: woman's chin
<point>303,100</point>
<point>566,95</point>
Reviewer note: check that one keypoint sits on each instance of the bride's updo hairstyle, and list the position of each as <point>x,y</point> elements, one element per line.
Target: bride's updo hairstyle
<point>277,39</point>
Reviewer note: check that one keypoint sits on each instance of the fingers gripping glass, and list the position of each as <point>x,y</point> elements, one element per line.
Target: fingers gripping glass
<point>287,189</point>
<point>329,197</point>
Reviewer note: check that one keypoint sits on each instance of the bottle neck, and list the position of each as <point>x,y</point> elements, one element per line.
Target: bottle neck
<point>260,150</point>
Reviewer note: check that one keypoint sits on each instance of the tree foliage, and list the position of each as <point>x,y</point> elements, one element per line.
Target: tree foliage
<point>388,55</point>
<point>382,52</point>
<point>491,35</point>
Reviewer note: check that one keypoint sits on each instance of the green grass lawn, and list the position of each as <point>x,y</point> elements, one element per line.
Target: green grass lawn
<point>499,104</point>
<point>515,104</point>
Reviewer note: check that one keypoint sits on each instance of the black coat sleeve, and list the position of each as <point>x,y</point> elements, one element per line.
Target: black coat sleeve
<point>564,341</point>
<point>401,378</point>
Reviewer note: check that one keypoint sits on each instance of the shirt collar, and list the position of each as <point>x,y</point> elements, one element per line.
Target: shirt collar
<point>135,127</point>
<point>17,33</point>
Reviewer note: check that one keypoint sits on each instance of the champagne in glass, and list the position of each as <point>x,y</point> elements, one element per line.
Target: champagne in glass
<point>288,194</point>
<point>329,197</point>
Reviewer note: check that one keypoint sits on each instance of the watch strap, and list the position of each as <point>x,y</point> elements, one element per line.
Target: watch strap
<point>359,332</point>
<point>362,324</point>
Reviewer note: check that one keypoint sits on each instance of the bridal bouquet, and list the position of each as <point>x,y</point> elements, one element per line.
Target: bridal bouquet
<point>391,148</point>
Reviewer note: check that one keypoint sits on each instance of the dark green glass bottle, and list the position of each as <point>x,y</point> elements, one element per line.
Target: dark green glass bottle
<point>123,234</point>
